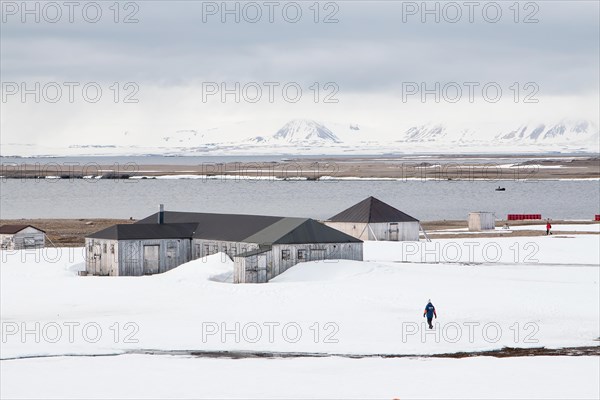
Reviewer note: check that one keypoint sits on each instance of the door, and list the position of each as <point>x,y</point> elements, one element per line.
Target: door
<point>151,259</point>
<point>394,231</point>
<point>94,256</point>
<point>262,268</point>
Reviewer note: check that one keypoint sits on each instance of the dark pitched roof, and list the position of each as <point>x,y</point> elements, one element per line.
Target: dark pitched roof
<point>260,250</point>
<point>146,231</point>
<point>300,230</point>
<point>12,229</point>
<point>265,230</point>
<point>226,227</point>
<point>372,210</point>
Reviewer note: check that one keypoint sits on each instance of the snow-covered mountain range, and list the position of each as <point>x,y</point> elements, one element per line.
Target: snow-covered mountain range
<point>301,132</point>
<point>564,132</point>
<point>306,136</point>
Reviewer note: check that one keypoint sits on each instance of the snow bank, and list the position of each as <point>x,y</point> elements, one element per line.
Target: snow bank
<point>329,270</point>
<point>217,267</point>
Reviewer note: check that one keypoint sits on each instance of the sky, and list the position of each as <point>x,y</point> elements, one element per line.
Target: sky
<point>100,72</point>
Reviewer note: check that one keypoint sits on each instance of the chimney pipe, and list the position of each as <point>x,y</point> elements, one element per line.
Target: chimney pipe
<point>161,214</point>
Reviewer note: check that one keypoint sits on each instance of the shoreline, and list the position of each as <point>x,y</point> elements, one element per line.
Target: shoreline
<point>440,168</point>
<point>70,232</point>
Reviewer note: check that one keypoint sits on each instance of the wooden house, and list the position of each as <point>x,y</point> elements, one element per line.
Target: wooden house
<point>372,219</point>
<point>261,247</point>
<point>16,237</point>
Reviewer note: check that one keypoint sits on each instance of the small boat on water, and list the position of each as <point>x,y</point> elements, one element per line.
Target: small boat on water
<point>500,189</point>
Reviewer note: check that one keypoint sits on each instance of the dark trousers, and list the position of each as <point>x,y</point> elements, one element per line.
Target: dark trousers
<point>429,322</point>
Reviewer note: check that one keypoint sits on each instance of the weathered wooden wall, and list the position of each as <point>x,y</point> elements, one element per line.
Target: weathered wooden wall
<point>357,229</point>
<point>406,231</point>
<point>172,253</point>
<point>253,268</point>
<point>126,257</point>
<point>28,238</point>
<point>314,252</point>
<point>250,269</point>
<point>480,221</point>
<point>102,257</point>
<point>203,248</point>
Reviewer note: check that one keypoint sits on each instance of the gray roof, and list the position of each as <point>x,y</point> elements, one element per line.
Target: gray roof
<point>299,230</point>
<point>146,231</point>
<point>264,230</point>
<point>225,227</point>
<point>372,210</point>
<point>260,250</point>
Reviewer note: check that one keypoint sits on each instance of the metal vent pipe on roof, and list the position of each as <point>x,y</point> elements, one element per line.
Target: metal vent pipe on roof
<point>161,214</point>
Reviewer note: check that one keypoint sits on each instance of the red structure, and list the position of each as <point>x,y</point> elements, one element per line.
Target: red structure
<point>597,217</point>
<point>522,217</point>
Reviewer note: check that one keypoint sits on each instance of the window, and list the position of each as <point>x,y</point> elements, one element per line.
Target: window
<point>112,249</point>
<point>317,254</point>
<point>104,248</point>
<point>29,241</point>
<point>285,255</point>
<point>171,249</point>
<point>302,254</point>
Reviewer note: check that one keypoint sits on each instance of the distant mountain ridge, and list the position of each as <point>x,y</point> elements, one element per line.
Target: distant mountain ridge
<point>306,136</point>
<point>300,132</point>
<point>542,132</point>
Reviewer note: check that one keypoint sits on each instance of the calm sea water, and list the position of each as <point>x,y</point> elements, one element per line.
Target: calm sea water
<point>429,200</point>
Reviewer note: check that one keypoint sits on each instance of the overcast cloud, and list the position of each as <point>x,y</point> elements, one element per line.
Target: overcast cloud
<point>368,53</point>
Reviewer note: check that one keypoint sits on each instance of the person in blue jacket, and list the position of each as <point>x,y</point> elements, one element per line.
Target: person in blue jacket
<point>430,312</point>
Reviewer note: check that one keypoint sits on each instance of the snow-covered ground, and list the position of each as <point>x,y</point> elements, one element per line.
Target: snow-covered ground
<point>587,228</point>
<point>560,227</point>
<point>489,293</point>
<point>139,376</point>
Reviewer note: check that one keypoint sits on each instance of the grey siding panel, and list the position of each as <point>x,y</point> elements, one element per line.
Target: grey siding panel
<point>28,238</point>
<point>314,252</point>
<point>480,221</point>
<point>357,229</point>
<point>102,257</point>
<point>407,231</point>
<point>126,257</point>
<point>249,269</point>
<point>203,248</point>
<point>253,269</point>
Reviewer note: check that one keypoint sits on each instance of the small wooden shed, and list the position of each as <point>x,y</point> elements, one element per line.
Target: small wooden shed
<point>481,221</point>
<point>16,237</point>
<point>372,219</point>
